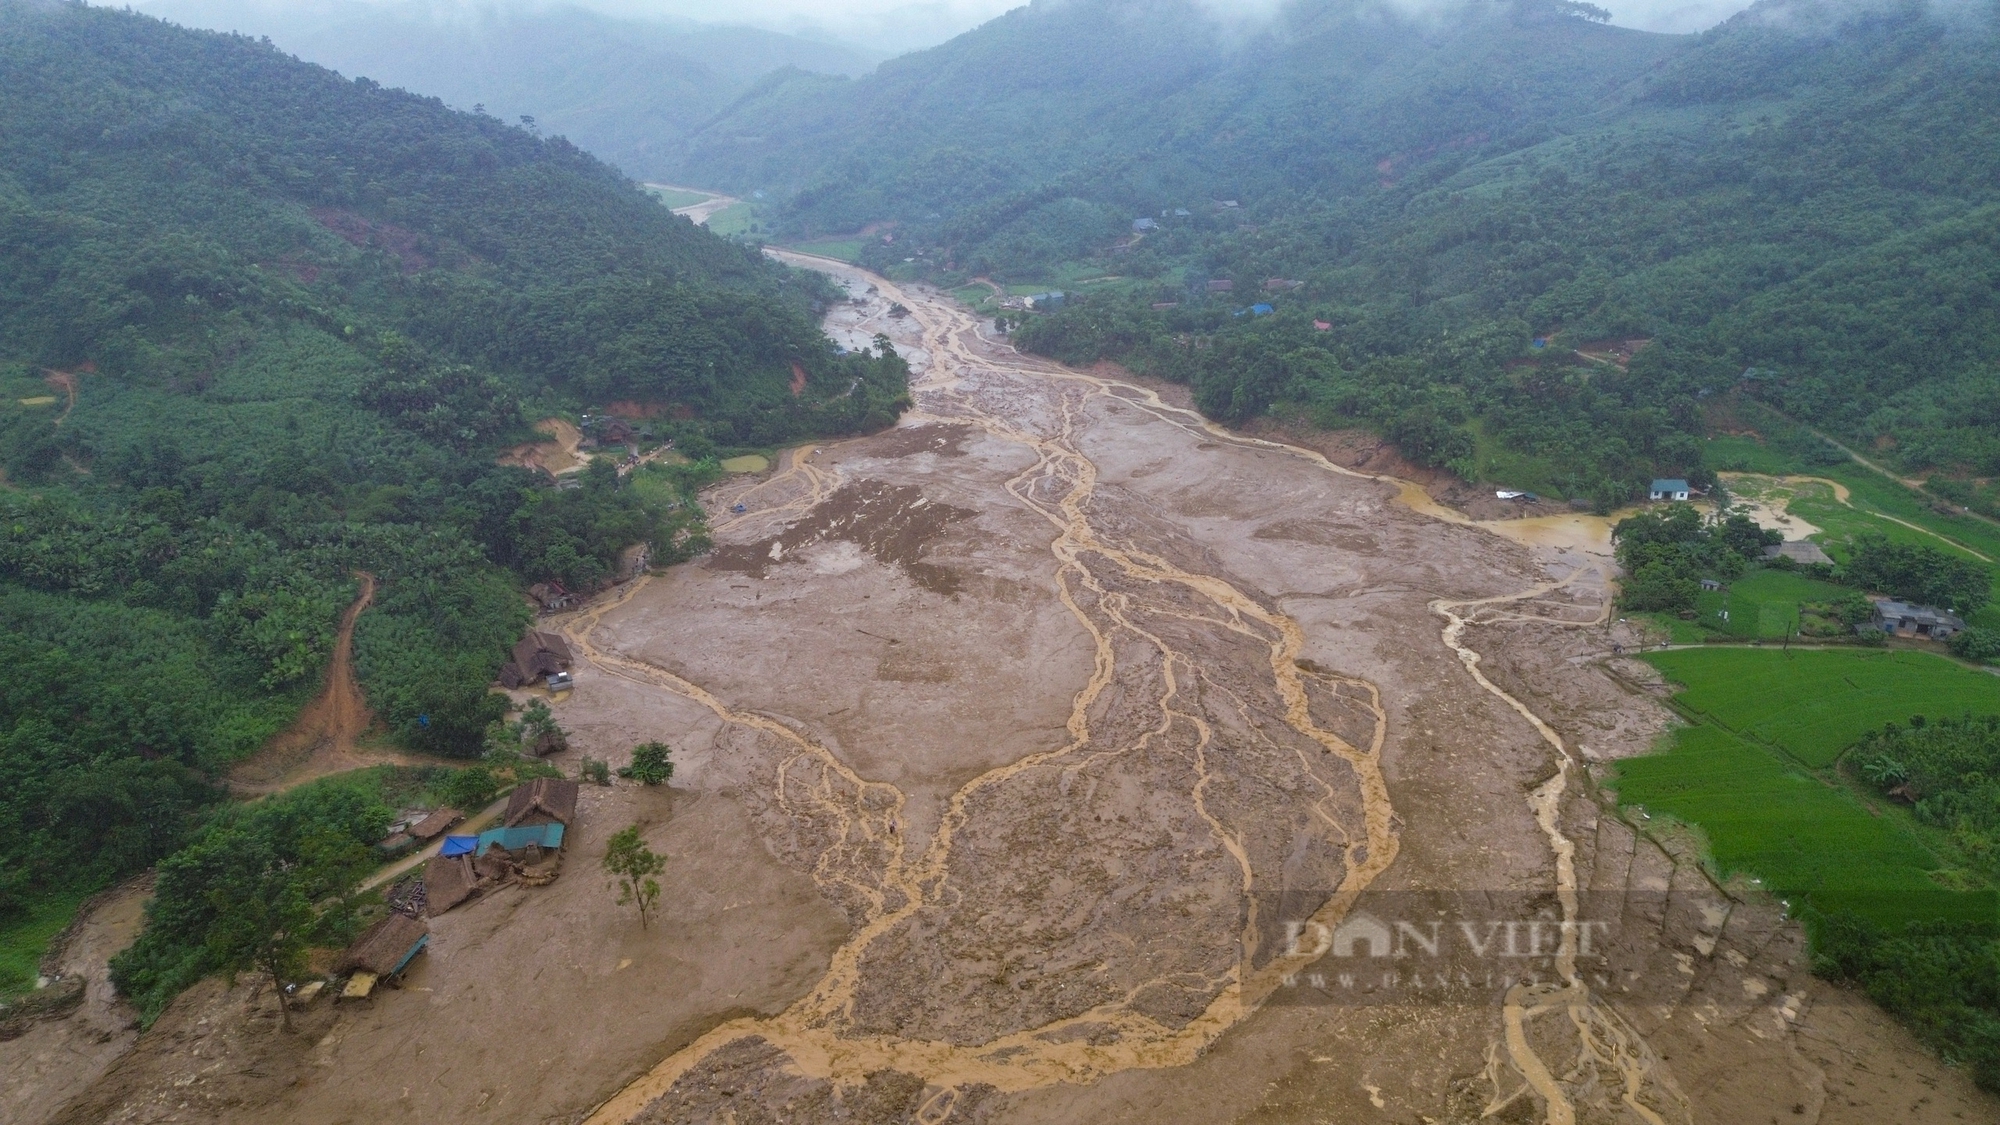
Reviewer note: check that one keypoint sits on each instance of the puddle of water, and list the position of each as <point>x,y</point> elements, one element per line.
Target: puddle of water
<point>750,463</point>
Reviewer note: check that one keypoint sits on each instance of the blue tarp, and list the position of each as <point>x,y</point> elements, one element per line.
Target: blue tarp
<point>459,845</point>
<point>1261,310</point>
<point>549,836</point>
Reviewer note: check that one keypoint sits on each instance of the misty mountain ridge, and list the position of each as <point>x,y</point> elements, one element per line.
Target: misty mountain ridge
<point>1168,99</point>
<point>626,90</point>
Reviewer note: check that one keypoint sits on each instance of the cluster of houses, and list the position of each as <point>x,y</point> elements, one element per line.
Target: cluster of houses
<point>524,848</point>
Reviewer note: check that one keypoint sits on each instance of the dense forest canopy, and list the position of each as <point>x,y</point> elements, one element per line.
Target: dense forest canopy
<point>1530,246</point>
<point>263,329</point>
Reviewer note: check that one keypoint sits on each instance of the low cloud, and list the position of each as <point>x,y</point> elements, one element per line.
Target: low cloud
<point>890,26</point>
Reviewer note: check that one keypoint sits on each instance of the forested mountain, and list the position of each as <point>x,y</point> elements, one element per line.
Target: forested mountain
<point>1138,105</point>
<point>263,328</point>
<point>628,91</point>
<point>1798,205</point>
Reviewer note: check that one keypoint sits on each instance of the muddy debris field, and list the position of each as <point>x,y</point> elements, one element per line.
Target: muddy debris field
<point>1058,756</point>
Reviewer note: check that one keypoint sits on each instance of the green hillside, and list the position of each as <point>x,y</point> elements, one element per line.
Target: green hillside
<point>263,329</point>
<point>1799,205</point>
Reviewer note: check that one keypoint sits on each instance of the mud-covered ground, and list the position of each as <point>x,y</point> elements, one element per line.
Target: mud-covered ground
<point>1057,757</point>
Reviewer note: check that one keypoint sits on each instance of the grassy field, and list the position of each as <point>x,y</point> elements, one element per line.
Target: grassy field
<point>23,942</point>
<point>1814,704</point>
<point>1667,627</point>
<point>840,249</point>
<point>737,218</point>
<point>1807,840</point>
<point>1763,603</point>
<point>675,198</point>
<point>1508,468</point>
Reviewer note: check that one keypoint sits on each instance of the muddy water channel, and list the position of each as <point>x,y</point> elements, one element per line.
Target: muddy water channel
<point>1165,774</point>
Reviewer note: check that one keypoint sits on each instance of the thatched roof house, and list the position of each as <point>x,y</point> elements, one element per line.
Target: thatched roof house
<point>385,947</point>
<point>448,881</point>
<point>436,824</point>
<point>545,800</point>
<point>537,655</point>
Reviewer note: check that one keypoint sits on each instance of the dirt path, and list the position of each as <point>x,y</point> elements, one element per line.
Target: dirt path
<point>64,381</point>
<point>325,738</point>
<point>559,456</point>
<point>1844,497</point>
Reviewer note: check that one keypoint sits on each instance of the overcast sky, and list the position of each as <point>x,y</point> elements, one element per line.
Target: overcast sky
<point>908,24</point>
<point>894,26</point>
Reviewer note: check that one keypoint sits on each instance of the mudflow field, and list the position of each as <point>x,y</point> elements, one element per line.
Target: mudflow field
<point>1059,757</point>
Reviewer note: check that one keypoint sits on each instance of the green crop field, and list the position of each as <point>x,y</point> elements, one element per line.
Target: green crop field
<point>1809,841</point>
<point>1763,603</point>
<point>675,198</point>
<point>1814,704</point>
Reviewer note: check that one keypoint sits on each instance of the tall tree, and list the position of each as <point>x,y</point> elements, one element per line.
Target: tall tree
<point>633,866</point>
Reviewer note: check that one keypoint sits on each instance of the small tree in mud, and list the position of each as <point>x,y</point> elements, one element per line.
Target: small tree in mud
<point>650,764</point>
<point>632,866</point>
<point>538,732</point>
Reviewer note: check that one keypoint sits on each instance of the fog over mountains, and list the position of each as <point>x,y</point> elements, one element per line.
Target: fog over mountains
<point>626,89</point>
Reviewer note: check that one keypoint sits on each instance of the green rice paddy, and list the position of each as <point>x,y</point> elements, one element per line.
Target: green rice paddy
<point>1754,774</point>
<point>1815,704</point>
<point>1807,840</point>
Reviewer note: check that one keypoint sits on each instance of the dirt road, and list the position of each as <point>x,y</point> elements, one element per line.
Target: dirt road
<point>325,738</point>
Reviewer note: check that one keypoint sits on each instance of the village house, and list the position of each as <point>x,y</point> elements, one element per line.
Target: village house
<point>1668,489</point>
<point>436,824</point>
<point>545,800</point>
<point>537,656</point>
<point>382,952</point>
<point>1901,619</point>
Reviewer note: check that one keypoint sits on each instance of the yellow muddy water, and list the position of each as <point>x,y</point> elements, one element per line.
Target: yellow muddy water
<point>1121,596</point>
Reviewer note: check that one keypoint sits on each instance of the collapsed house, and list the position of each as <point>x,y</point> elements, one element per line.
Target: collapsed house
<point>526,847</point>
<point>381,953</point>
<point>537,656</point>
